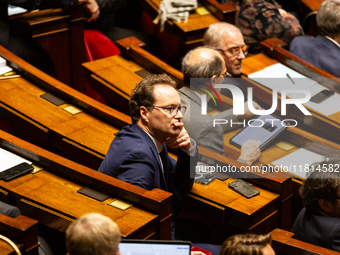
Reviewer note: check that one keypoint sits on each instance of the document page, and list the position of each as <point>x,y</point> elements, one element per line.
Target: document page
<point>9,159</point>
<point>298,162</point>
<point>279,76</point>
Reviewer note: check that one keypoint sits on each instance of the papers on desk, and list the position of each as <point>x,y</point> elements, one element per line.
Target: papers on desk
<point>9,159</point>
<point>298,162</point>
<point>15,10</point>
<point>3,66</point>
<point>279,76</point>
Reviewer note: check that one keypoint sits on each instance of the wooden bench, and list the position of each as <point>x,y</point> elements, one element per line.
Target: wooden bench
<point>60,32</point>
<point>50,195</point>
<point>83,137</point>
<point>140,59</point>
<point>283,243</point>
<point>22,231</point>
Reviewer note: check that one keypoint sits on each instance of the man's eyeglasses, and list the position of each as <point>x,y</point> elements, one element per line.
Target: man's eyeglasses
<point>226,75</point>
<point>235,51</point>
<point>173,109</point>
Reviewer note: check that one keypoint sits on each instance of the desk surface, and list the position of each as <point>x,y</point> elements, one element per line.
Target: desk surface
<point>312,5</point>
<point>50,195</point>
<point>283,242</point>
<point>84,137</point>
<point>82,128</point>
<point>318,123</point>
<point>188,31</point>
<point>50,191</point>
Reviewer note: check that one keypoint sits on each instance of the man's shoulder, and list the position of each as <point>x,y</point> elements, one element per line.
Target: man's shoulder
<point>310,217</point>
<point>133,133</point>
<point>303,42</point>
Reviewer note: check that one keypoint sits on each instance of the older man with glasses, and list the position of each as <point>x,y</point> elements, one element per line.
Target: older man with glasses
<point>228,40</point>
<point>138,154</point>
<point>208,66</point>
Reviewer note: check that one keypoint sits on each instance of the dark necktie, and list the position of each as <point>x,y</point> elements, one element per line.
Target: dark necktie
<point>163,156</point>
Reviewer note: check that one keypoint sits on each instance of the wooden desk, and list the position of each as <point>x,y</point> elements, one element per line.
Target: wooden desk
<point>84,137</point>
<point>311,5</point>
<point>283,243</point>
<point>50,195</point>
<point>320,124</point>
<point>115,77</point>
<point>61,33</point>
<point>190,34</point>
<point>23,231</point>
<point>223,12</point>
<point>200,197</point>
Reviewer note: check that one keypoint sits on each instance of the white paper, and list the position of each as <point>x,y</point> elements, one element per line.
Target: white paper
<point>298,162</point>
<point>278,74</point>
<point>15,10</point>
<point>9,159</point>
<point>3,66</point>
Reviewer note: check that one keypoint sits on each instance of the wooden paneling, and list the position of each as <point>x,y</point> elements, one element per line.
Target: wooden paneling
<point>60,32</point>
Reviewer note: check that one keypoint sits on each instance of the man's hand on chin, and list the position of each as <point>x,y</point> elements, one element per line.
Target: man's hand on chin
<point>182,140</point>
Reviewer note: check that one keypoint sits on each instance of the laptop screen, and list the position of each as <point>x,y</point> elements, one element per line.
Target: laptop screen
<point>146,247</point>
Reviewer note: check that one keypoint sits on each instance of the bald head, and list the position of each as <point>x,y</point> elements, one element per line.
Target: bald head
<point>225,36</point>
<point>202,62</point>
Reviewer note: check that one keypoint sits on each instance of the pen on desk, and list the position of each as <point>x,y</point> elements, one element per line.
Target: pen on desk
<point>9,77</point>
<point>290,78</point>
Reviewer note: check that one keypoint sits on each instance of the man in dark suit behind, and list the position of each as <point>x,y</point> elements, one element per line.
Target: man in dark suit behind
<point>319,222</point>
<point>322,51</point>
<point>138,154</point>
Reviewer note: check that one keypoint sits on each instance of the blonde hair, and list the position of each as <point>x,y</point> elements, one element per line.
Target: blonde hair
<point>92,234</point>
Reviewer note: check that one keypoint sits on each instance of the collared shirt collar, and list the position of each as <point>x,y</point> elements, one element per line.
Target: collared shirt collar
<point>158,145</point>
<point>333,40</point>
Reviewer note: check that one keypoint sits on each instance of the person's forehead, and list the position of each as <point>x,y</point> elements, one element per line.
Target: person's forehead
<point>233,38</point>
<point>165,93</point>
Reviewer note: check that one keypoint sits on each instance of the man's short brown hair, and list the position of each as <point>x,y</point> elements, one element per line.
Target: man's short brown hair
<point>143,95</point>
<point>247,244</point>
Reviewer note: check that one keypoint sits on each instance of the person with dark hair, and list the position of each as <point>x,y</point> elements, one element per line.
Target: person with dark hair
<point>208,66</point>
<point>21,43</point>
<point>93,234</point>
<point>138,154</point>
<point>248,244</point>
<point>325,47</point>
<point>319,222</point>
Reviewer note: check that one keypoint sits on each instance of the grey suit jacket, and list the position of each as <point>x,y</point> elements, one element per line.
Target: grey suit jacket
<point>200,127</point>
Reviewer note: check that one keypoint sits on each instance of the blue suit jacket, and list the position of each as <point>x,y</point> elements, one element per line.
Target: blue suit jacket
<point>317,229</point>
<point>319,51</point>
<point>133,157</point>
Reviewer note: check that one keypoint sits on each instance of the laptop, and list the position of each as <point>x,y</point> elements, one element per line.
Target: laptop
<point>154,247</point>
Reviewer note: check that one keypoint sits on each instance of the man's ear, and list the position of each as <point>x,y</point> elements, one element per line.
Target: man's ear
<point>213,80</point>
<point>118,253</point>
<point>144,113</point>
<point>326,205</point>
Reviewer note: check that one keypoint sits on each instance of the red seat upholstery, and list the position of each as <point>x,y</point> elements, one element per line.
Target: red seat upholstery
<point>97,46</point>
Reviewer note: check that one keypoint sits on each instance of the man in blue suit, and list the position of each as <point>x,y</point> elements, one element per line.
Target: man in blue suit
<point>139,155</point>
<point>322,51</point>
<point>319,222</point>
